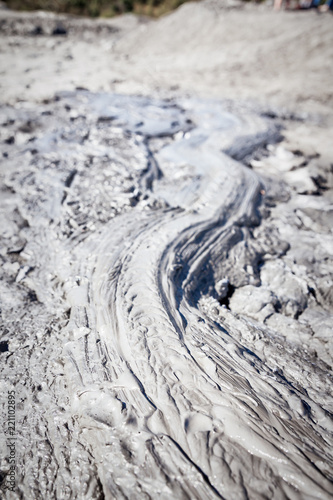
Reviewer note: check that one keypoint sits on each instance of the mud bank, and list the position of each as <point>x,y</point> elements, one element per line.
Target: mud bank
<point>166,301</point>
<point>222,49</point>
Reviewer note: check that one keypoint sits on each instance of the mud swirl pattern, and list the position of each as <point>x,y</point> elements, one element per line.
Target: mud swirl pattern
<point>142,370</point>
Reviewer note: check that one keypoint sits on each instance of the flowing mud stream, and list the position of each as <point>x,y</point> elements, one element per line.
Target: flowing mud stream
<point>166,309</point>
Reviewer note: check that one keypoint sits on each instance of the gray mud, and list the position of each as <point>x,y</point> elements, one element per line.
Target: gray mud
<point>166,300</point>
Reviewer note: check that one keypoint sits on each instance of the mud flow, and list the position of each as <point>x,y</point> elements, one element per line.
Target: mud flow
<point>166,292</point>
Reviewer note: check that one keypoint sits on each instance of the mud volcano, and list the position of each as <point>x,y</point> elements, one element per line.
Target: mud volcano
<point>166,292</point>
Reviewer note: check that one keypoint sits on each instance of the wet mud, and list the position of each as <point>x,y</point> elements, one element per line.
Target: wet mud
<point>166,289</point>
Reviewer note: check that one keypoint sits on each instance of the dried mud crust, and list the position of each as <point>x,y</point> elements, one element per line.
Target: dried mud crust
<point>282,274</point>
<point>165,309</point>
